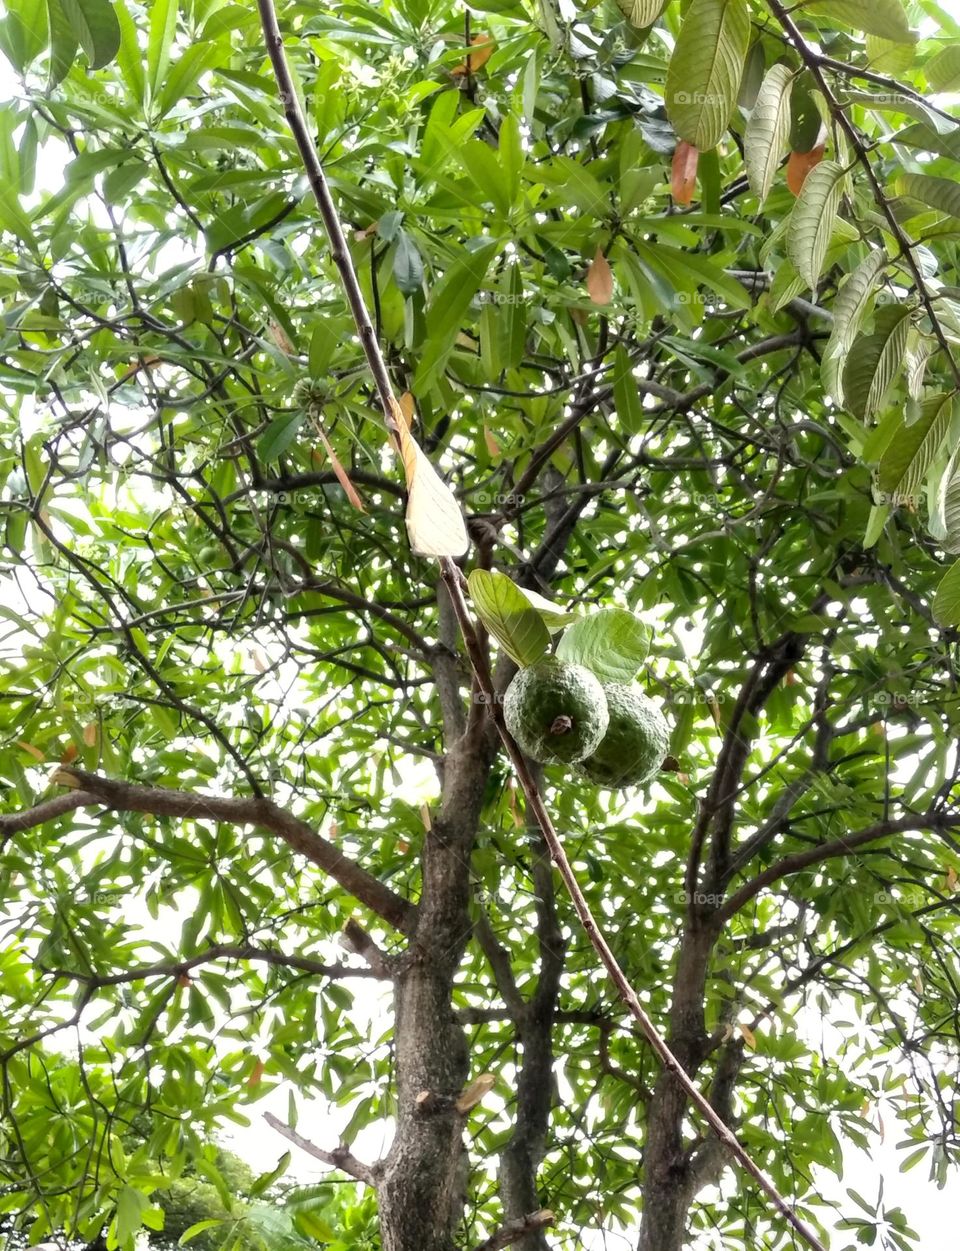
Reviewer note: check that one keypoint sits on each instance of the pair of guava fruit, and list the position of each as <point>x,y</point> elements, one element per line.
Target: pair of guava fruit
<point>560,713</point>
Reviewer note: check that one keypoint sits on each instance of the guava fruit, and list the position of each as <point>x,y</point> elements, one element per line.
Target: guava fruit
<point>635,744</point>
<point>556,711</point>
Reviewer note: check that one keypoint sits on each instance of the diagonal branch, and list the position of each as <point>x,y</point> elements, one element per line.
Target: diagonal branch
<point>826,851</point>
<point>158,801</point>
<point>341,1157</point>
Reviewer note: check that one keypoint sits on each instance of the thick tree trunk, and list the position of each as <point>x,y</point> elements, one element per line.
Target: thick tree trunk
<point>668,1182</point>
<point>422,1186</point>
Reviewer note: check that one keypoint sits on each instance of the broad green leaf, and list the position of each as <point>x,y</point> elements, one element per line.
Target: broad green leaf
<point>943,70</point>
<point>63,43</point>
<point>812,219</point>
<point>508,615</point>
<point>130,1205</point>
<point>946,602</point>
<point>95,25</point>
<point>911,453</point>
<point>448,304</point>
<point>185,73</point>
<point>279,435</point>
<point>641,13</point>
<point>24,32</point>
<point>611,642</point>
<point>197,1228</point>
<point>703,76</point>
<point>886,18</point>
<point>939,193</point>
<point>873,361</point>
<point>768,129</point>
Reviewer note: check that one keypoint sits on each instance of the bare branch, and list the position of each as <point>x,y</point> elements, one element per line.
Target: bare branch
<point>341,1157</point>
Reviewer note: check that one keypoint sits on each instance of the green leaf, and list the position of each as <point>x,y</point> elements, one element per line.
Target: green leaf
<point>23,32</point>
<point>811,222</point>
<point>905,463</point>
<point>96,27</point>
<point>266,1180</point>
<point>946,602</point>
<point>873,361</point>
<point>407,265</point>
<point>63,43</point>
<point>279,435</point>
<point>849,307</point>
<point>938,193</point>
<point>943,70</point>
<point>626,396</point>
<point>186,72</point>
<point>129,57</point>
<point>130,1205</point>
<point>703,76</point>
<point>885,18</point>
<point>768,129</point>
<point>448,305</point>
<point>507,614</point>
<point>198,1227</point>
<point>612,643</point>
<point>641,13</point>
<point>163,25</point>
<point>947,516</point>
<point>554,618</point>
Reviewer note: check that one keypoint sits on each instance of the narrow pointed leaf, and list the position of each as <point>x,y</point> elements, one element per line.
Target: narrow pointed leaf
<point>913,450</point>
<point>811,222</point>
<point>96,27</point>
<point>767,130</point>
<point>873,361</point>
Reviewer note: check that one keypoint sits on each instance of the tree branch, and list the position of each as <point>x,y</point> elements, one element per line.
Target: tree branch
<point>161,802</point>
<point>341,1158</point>
<point>826,851</point>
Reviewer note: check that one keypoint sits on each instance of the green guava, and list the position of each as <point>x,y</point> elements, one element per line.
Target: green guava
<point>556,711</point>
<point>635,744</point>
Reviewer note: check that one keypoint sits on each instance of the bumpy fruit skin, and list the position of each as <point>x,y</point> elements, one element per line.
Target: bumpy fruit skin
<point>556,711</point>
<point>635,744</point>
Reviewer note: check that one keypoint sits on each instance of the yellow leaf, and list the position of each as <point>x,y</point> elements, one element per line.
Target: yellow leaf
<point>493,447</point>
<point>281,338</point>
<point>749,1037</point>
<point>434,521</point>
<point>408,407</point>
<point>90,734</point>
<point>35,752</point>
<point>951,878</point>
<point>481,50</point>
<point>70,753</point>
<point>425,816</point>
<point>600,279</point>
<point>342,476</point>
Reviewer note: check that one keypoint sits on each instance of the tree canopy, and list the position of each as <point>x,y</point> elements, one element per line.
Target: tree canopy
<point>669,296</point>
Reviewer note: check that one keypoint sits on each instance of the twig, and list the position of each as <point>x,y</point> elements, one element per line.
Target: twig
<point>453,579</point>
<point>341,1157</point>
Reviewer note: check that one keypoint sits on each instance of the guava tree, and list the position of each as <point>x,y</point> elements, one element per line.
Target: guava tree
<point>670,300</point>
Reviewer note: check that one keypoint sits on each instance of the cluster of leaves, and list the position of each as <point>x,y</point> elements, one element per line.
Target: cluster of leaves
<point>719,416</point>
